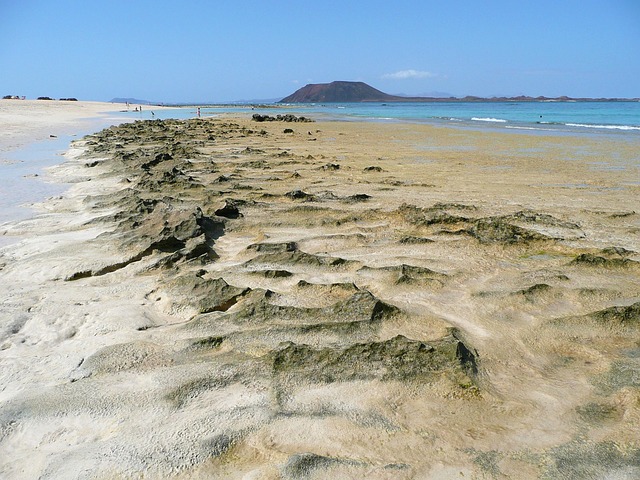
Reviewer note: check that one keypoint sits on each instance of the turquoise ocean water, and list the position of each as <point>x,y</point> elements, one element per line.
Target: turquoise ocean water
<point>560,117</point>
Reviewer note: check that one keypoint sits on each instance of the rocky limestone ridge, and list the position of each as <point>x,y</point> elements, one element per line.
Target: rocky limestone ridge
<point>245,302</point>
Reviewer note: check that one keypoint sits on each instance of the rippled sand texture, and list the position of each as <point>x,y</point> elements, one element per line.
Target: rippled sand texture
<point>220,299</point>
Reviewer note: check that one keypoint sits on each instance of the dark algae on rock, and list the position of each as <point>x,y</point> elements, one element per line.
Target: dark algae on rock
<point>398,358</point>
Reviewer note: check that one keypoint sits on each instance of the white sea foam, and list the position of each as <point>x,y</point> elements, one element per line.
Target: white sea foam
<point>609,127</point>
<point>489,119</point>
<point>531,128</point>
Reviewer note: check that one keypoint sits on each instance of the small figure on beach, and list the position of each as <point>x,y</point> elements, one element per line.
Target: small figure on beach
<point>198,110</point>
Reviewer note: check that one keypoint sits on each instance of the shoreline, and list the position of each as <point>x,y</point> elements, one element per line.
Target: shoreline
<point>562,118</point>
<point>347,298</point>
<point>26,121</point>
<point>548,120</point>
<point>35,134</point>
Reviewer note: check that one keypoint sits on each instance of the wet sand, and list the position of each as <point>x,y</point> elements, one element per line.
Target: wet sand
<point>220,299</point>
<point>33,135</point>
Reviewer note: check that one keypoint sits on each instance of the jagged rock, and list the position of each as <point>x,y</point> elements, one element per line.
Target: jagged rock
<point>229,209</point>
<point>299,195</point>
<point>345,287</point>
<point>207,295</point>
<point>497,230</point>
<point>178,234</point>
<point>411,240</point>
<point>452,206</point>
<point>412,274</point>
<point>360,307</point>
<point>331,166</point>
<point>358,197</point>
<point>303,465</point>
<point>398,358</point>
<point>207,343</point>
<point>443,218</point>
<point>434,216</point>
<point>298,257</point>
<point>535,291</point>
<point>591,260</point>
<point>619,251</point>
<point>327,195</point>
<point>275,273</point>
<point>628,315</point>
<point>251,150</point>
<point>274,247</point>
<point>159,158</point>
<point>256,117</point>
<point>540,218</point>
<point>261,164</point>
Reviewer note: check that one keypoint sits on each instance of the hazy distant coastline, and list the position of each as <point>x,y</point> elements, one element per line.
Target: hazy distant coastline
<point>349,92</point>
<point>360,92</point>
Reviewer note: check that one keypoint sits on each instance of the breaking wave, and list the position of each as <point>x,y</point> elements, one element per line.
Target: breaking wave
<point>609,127</point>
<point>488,119</point>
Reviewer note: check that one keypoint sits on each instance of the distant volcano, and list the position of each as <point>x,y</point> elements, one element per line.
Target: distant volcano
<point>340,92</point>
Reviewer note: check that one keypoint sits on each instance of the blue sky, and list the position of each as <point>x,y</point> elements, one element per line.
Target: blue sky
<point>219,50</point>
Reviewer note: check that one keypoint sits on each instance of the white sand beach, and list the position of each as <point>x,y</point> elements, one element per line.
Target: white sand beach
<point>27,121</point>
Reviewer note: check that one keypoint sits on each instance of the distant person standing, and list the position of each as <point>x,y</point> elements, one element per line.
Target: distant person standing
<point>198,110</point>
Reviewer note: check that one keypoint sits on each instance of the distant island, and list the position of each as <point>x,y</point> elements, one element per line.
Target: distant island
<point>353,92</point>
<point>131,100</point>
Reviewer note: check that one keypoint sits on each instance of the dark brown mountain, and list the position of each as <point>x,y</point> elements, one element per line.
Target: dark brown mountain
<point>352,92</point>
<point>339,92</point>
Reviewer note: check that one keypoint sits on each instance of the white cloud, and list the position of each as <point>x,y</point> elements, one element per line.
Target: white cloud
<point>404,74</point>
